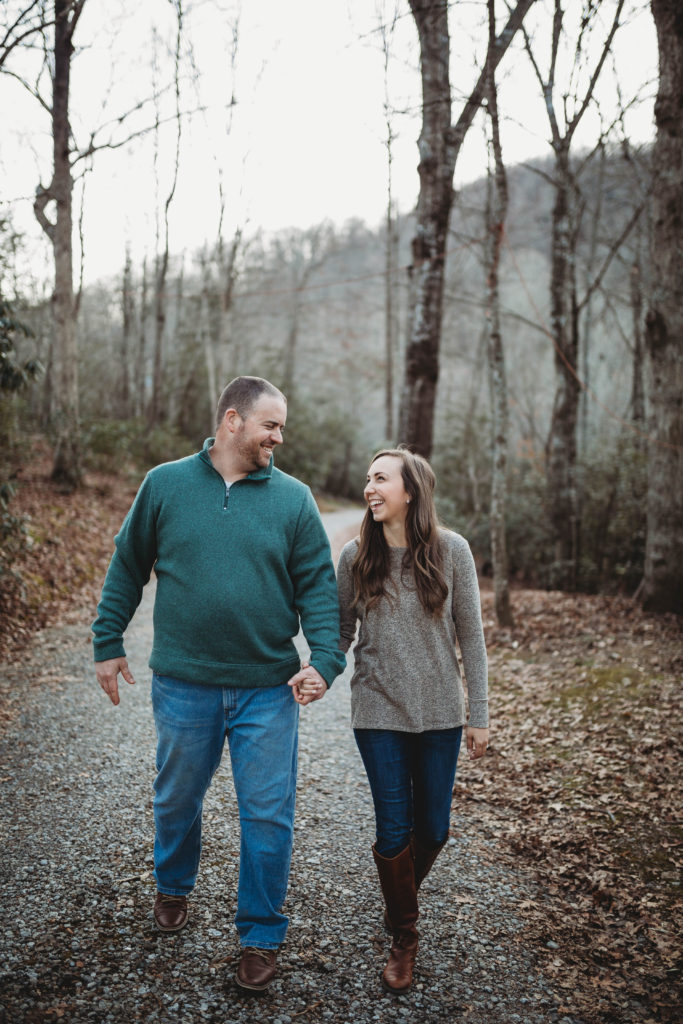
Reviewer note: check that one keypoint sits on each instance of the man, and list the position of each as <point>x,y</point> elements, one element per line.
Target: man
<point>241,559</point>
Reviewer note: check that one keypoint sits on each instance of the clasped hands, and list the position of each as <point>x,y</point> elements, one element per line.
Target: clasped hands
<point>307,685</point>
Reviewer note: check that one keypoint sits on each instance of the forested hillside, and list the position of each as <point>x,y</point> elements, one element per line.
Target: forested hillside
<point>522,332</point>
<point>307,309</point>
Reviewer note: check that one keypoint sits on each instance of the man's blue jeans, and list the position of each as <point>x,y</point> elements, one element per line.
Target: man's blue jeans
<point>261,726</point>
<point>411,776</point>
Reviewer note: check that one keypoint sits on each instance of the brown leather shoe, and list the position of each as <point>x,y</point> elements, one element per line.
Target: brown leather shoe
<point>170,912</point>
<point>256,968</point>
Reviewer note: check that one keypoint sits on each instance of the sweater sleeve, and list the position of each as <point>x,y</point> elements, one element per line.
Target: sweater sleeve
<point>129,571</point>
<point>315,592</point>
<point>345,589</point>
<point>466,610</point>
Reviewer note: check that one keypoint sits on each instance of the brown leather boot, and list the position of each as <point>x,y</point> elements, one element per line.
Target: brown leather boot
<point>423,858</point>
<point>397,881</point>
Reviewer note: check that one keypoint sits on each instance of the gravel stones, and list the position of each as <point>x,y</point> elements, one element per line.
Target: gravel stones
<point>78,942</point>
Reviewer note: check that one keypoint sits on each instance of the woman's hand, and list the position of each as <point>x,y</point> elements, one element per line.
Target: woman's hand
<point>477,742</point>
<point>307,685</point>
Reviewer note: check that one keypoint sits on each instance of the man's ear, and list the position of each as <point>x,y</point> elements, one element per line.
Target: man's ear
<point>232,420</point>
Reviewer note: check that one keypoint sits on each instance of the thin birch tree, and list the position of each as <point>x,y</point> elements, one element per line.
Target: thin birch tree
<point>155,411</point>
<point>496,210</point>
<point>561,446</point>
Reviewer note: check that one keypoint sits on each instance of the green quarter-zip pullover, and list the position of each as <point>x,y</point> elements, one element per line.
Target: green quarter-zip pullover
<point>237,573</point>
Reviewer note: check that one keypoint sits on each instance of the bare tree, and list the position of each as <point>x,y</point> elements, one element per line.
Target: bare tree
<point>154,414</point>
<point>204,330</point>
<point>391,238</point>
<point>561,449</point>
<point>662,588</point>
<point>48,29</point>
<point>439,146</point>
<point>66,469</point>
<point>127,329</point>
<point>141,349</point>
<point>305,252</point>
<point>497,203</point>
<point>637,385</point>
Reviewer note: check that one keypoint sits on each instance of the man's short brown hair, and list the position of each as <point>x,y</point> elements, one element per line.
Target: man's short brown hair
<point>242,393</point>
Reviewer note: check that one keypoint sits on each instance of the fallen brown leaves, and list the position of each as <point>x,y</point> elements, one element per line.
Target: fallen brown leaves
<point>70,541</point>
<point>582,781</point>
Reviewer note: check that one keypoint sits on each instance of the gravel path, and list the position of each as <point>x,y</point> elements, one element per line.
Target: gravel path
<point>77,939</point>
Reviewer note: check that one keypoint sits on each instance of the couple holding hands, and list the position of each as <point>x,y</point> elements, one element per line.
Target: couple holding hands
<point>241,561</point>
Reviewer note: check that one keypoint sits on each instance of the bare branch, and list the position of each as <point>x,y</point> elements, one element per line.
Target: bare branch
<point>77,11</point>
<point>493,59</point>
<point>547,87</point>
<point>573,124</point>
<point>8,44</point>
<point>93,148</point>
<point>30,89</point>
<point>43,197</point>
<point>613,249</point>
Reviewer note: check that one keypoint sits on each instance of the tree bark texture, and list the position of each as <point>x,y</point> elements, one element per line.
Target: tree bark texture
<point>561,444</point>
<point>637,382</point>
<point>227,273</point>
<point>206,339</point>
<point>128,314</point>
<point>436,166</point>
<point>662,588</point>
<point>66,467</point>
<point>141,350</point>
<point>155,414</point>
<point>439,145</point>
<point>497,203</point>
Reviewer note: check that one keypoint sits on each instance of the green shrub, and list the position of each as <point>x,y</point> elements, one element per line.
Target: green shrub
<point>13,532</point>
<point>114,445</point>
<point>612,484</point>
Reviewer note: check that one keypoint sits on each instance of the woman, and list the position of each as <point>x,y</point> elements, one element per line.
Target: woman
<point>413,587</point>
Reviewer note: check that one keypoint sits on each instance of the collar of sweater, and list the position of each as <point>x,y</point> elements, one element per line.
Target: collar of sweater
<point>258,474</point>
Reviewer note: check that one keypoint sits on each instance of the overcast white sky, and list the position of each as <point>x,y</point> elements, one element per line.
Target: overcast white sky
<point>306,138</point>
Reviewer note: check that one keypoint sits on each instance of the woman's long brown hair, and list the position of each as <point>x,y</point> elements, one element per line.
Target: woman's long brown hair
<point>424,555</point>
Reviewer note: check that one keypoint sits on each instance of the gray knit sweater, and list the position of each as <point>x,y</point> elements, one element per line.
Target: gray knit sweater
<point>406,670</point>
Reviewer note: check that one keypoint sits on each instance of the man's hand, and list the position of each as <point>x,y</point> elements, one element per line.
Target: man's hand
<point>307,685</point>
<point>107,676</point>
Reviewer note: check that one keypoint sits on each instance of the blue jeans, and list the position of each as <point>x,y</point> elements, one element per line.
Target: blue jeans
<point>411,776</point>
<point>261,726</point>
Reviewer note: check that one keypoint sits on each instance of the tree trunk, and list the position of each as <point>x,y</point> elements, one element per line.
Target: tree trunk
<point>561,444</point>
<point>436,167</point>
<point>637,383</point>
<point>206,340</point>
<point>439,145</point>
<point>141,353</point>
<point>389,314</point>
<point>227,273</point>
<point>390,243</point>
<point>128,312</point>
<point>585,340</point>
<point>156,404</point>
<point>497,205</point>
<point>663,581</point>
<point>66,467</point>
